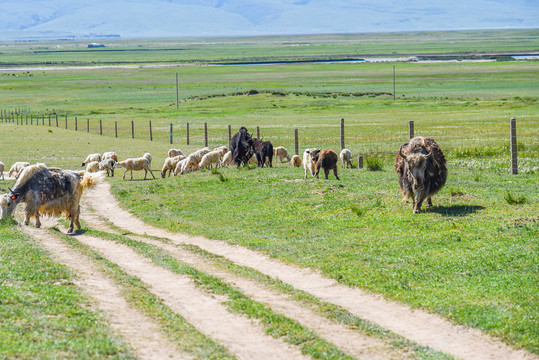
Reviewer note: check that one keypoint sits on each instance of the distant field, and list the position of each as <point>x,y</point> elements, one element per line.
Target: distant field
<point>472,258</point>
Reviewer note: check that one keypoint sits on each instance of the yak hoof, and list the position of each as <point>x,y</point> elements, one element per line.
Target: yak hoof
<point>37,226</point>
<point>70,230</point>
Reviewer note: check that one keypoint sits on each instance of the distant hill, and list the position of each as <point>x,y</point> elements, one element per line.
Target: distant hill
<point>185,18</point>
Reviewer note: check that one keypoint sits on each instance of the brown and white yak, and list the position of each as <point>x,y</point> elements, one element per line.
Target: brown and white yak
<point>421,167</point>
<point>326,159</point>
<point>49,191</point>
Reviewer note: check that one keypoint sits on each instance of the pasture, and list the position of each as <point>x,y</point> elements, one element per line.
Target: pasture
<point>472,258</point>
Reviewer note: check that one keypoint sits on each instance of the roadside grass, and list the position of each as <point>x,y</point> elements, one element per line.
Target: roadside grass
<point>43,314</point>
<point>471,258</point>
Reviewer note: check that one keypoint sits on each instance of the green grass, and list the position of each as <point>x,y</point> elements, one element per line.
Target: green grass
<point>43,314</point>
<point>472,258</point>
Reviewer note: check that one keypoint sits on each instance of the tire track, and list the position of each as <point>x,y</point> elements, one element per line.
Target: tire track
<point>424,328</point>
<point>141,332</point>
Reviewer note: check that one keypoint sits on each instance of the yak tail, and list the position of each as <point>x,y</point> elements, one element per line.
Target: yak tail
<point>92,179</point>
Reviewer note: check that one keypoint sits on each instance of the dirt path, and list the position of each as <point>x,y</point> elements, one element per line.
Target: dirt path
<point>424,328</point>
<point>139,331</point>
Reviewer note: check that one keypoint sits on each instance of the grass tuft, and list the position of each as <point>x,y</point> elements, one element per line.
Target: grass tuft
<point>374,163</point>
<point>512,200</point>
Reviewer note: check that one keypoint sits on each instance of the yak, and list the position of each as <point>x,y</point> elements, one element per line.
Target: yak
<point>49,191</point>
<point>240,147</point>
<point>421,168</point>
<point>326,159</point>
<point>262,150</point>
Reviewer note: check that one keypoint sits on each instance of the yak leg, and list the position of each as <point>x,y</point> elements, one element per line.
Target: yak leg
<point>335,173</point>
<point>76,218</point>
<point>429,202</point>
<point>38,223</point>
<point>418,201</point>
<point>326,173</point>
<point>26,219</point>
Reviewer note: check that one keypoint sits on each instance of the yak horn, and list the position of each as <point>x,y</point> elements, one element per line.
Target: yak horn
<point>400,152</point>
<point>11,191</point>
<point>429,154</point>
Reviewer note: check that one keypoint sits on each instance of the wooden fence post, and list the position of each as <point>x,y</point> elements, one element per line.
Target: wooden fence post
<point>187,133</point>
<point>150,124</point>
<point>76,124</point>
<point>49,119</point>
<point>171,133</point>
<point>100,127</point>
<point>87,125</point>
<point>17,119</point>
<point>56,120</point>
<point>66,120</point>
<point>115,128</point>
<point>360,162</point>
<point>42,119</point>
<point>296,142</point>
<point>206,134</point>
<point>26,119</point>
<point>342,134</point>
<point>258,132</point>
<point>514,160</point>
<point>229,136</point>
<point>411,129</point>
<point>132,129</point>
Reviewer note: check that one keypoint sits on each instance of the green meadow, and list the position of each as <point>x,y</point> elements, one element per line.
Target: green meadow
<point>472,258</point>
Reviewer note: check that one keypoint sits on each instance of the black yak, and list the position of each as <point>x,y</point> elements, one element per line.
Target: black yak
<point>326,159</point>
<point>262,150</point>
<point>421,168</point>
<point>240,147</point>
<point>49,191</point>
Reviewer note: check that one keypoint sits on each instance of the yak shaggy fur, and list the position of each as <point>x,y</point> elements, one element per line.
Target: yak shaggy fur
<point>49,191</point>
<point>421,168</point>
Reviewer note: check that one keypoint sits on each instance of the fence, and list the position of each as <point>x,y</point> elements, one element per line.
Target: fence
<point>23,117</point>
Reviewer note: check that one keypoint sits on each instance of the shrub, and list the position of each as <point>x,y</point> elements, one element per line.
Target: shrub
<point>511,200</point>
<point>374,163</point>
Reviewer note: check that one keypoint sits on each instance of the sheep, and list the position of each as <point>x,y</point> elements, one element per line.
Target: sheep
<point>170,164</point>
<point>210,159</point>
<point>110,155</point>
<point>190,163</point>
<point>136,164</point>
<point>296,161</point>
<point>227,159</point>
<point>308,163</point>
<point>93,166</point>
<point>148,156</point>
<point>175,152</point>
<point>17,168</point>
<point>108,165</point>
<point>90,158</point>
<point>179,165</point>
<point>2,166</point>
<point>222,151</point>
<point>281,152</point>
<point>326,159</point>
<point>346,158</point>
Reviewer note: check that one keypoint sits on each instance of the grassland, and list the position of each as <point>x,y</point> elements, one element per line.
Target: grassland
<point>472,258</point>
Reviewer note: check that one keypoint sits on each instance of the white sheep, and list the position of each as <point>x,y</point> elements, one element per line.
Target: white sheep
<point>17,168</point>
<point>281,152</point>
<point>296,161</point>
<point>227,159</point>
<point>93,166</point>
<point>136,164</point>
<point>110,155</point>
<point>108,165</point>
<point>190,163</point>
<point>222,150</point>
<point>346,158</point>
<point>90,158</point>
<point>170,164</point>
<point>209,159</point>
<point>308,163</point>
<point>175,152</point>
<point>2,166</point>
<point>148,156</point>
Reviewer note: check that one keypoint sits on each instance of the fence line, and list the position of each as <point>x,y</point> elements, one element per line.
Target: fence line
<point>16,117</point>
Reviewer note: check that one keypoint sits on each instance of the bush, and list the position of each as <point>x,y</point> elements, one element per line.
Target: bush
<point>374,163</point>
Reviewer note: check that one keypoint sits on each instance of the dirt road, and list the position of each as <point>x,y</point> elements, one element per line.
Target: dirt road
<point>245,338</point>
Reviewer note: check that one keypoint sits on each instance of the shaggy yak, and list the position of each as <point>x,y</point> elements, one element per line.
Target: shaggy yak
<point>262,150</point>
<point>240,147</point>
<point>326,159</point>
<point>421,167</point>
<point>49,191</point>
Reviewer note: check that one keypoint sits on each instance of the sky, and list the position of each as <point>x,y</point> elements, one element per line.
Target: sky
<point>187,18</point>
